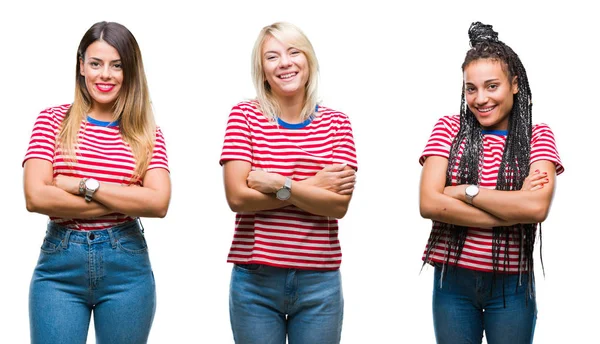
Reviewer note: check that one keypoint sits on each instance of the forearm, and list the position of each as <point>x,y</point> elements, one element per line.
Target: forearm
<point>246,199</point>
<point>515,206</point>
<point>52,201</point>
<point>318,201</point>
<point>446,209</point>
<point>135,201</point>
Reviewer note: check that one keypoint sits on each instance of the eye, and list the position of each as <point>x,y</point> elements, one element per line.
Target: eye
<point>295,52</point>
<point>117,66</point>
<point>94,64</point>
<point>470,89</point>
<point>271,57</point>
<point>492,86</point>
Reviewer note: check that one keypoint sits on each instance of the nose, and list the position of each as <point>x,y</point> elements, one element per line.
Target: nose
<point>285,61</point>
<point>105,73</point>
<point>481,98</point>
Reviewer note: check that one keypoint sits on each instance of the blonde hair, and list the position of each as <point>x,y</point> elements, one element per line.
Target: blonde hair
<point>132,108</point>
<point>291,35</point>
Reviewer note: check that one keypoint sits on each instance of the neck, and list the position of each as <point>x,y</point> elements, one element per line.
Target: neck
<point>291,108</point>
<point>102,112</point>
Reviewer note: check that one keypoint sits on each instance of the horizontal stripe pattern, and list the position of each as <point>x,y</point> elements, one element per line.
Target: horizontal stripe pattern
<point>101,154</point>
<point>477,252</point>
<point>287,237</point>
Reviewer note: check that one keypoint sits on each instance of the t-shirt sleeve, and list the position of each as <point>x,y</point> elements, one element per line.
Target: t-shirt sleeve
<point>344,151</point>
<point>441,138</point>
<point>237,144</point>
<point>543,147</point>
<point>42,144</point>
<point>159,154</point>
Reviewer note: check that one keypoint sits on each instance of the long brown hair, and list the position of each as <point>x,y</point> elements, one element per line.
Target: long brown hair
<point>132,109</point>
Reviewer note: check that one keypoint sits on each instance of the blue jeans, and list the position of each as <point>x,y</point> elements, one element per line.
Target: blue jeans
<point>106,271</point>
<point>266,302</point>
<point>466,305</point>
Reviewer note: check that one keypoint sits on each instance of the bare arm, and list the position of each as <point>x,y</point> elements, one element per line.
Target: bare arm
<point>305,195</point>
<point>522,206</point>
<point>242,198</point>
<point>41,196</point>
<point>435,205</point>
<point>150,200</point>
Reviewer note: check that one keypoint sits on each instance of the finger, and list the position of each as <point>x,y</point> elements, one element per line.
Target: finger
<point>346,191</point>
<point>537,187</point>
<point>346,186</point>
<point>348,180</point>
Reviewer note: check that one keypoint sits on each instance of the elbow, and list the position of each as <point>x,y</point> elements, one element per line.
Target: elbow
<point>32,204</point>
<point>539,214</point>
<point>340,212</point>
<point>235,204</point>
<point>426,210</point>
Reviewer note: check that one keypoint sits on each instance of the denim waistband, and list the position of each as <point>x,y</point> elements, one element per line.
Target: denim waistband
<point>111,234</point>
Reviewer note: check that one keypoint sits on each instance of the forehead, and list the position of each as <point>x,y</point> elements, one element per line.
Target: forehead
<point>485,69</point>
<point>273,44</point>
<point>102,50</point>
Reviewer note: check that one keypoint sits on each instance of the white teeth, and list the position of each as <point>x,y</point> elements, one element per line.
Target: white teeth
<point>287,76</point>
<point>485,109</point>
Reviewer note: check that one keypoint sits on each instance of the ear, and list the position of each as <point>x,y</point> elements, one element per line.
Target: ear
<point>515,85</point>
<point>81,67</point>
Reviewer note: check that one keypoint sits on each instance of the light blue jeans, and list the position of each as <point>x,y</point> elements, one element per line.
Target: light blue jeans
<point>469,302</point>
<point>266,303</point>
<point>107,272</point>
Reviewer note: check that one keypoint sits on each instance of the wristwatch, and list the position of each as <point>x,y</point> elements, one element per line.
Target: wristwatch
<point>285,192</point>
<point>91,186</point>
<point>470,192</point>
<point>82,186</point>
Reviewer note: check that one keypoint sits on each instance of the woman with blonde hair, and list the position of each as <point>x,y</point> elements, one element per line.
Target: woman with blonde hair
<point>289,167</point>
<point>94,167</point>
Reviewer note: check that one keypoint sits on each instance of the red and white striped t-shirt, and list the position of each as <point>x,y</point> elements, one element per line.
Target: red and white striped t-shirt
<point>101,154</point>
<point>287,237</point>
<point>477,251</point>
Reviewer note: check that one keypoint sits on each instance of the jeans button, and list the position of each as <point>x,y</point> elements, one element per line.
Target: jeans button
<point>92,236</point>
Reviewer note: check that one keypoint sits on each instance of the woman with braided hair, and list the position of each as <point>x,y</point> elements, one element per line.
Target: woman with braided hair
<point>487,182</point>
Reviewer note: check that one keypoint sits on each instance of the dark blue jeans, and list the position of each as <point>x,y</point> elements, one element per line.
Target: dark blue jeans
<point>105,271</point>
<point>465,305</point>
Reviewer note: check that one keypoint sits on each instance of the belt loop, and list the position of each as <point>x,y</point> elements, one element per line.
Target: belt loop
<point>113,240</point>
<point>65,241</point>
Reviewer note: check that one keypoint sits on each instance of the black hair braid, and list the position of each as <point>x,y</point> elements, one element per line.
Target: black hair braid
<point>467,152</point>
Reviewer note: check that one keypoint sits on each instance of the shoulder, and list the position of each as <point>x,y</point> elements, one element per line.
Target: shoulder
<point>539,129</point>
<point>447,125</point>
<point>329,115</point>
<point>53,115</point>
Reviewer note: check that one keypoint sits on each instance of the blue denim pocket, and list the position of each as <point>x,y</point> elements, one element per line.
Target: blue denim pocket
<point>50,245</point>
<point>134,243</point>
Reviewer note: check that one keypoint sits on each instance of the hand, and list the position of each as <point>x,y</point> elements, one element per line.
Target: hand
<point>535,181</point>
<point>334,178</point>
<point>68,184</point>
<point>265,182</point>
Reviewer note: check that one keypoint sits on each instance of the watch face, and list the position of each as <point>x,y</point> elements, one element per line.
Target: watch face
<point>92,184</point>
<point>472,190</point>
<point>283,194</point>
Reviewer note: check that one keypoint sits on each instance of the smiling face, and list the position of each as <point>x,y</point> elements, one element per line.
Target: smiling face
<point>103,73</point>
<point>285,68</point>
<point>489,93</point>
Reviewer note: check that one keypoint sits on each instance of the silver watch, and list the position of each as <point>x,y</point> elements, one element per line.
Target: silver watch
<point>91,186</point>
<point>285,192</point>
<point>470,192</point>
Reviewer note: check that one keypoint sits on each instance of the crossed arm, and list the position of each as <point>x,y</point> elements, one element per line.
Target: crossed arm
<point>491,208</point>
<point>328,193</point>
<point>60,197</point>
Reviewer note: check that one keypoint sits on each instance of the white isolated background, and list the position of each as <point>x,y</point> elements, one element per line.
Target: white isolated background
<point>394,68</point>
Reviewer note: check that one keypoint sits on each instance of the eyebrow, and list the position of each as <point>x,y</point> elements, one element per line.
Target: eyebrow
<point>98,59</point>
<point>485,82</point>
